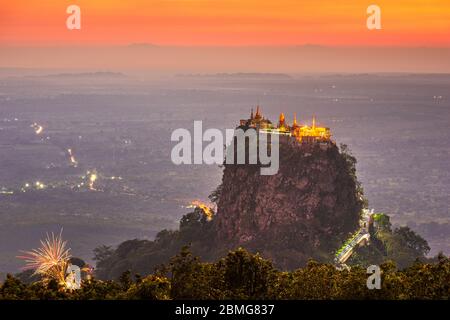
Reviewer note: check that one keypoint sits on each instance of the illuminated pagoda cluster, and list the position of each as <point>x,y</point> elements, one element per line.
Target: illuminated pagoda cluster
<point>303,133</point>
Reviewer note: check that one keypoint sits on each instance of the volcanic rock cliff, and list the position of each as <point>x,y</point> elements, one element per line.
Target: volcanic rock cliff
<point>304,211</point>
<point>307,210</point>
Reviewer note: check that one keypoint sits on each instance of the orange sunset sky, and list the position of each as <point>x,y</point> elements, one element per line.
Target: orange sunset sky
<point>225,22</point>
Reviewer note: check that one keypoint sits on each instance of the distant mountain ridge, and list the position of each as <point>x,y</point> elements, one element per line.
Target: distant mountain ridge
<point>99,74</point>
<point>238,75</point>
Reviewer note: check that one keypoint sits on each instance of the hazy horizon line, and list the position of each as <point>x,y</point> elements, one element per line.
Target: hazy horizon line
<point>201,59</point>
<point>150,45</point>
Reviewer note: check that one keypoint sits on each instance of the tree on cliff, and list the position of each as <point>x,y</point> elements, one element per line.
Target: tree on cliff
<point>401,245</point>
<point>413,241</point>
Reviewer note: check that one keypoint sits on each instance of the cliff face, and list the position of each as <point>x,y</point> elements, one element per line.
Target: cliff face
<point>304,211</point>
<point>307,210</point>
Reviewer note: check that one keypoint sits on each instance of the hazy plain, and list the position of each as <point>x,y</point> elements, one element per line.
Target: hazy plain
<point>118,127</point>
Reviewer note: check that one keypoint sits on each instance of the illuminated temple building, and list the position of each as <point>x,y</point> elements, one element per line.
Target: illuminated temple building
<point>303,133</point>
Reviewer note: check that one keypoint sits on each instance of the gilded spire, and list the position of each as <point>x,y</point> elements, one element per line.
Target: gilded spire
<point>258,112</point>
<point>303,133</point>
<point>282,122</point>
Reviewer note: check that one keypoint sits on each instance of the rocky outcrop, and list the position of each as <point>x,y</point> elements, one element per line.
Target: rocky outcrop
<point>307,210</point>
<point>304,211</point>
